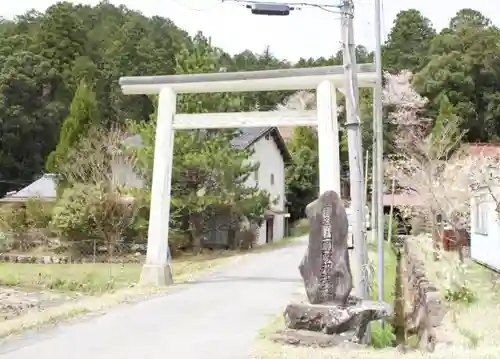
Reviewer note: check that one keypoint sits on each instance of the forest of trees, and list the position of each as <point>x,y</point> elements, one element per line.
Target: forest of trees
<point>59,74</point>
<point>45,56</point>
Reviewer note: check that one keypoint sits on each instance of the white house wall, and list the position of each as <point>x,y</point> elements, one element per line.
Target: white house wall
<point>267,153</point>
<point>485,248</point>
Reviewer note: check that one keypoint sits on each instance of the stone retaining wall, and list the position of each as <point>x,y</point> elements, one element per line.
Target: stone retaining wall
<point>424,304</point>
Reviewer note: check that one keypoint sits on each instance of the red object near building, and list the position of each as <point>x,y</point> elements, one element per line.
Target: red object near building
<point>450,242</point>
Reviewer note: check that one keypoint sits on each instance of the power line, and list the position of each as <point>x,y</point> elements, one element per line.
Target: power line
<point>198,10</point>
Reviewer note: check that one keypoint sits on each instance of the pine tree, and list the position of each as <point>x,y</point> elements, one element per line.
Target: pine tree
<point>445,114</point>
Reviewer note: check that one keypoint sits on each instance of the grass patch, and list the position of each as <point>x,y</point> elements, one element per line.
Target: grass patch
<point>472,338</point>
<point>383,336</point>
<point>98,278</point>
<point>390,263</point>
<point>300,228</point>
<point>273,245</point>
<point>95,278</point>
<point>277,323</point>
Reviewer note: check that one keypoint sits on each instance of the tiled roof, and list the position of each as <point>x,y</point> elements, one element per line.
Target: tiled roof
<point>249,135</point>
<point>485,149</point>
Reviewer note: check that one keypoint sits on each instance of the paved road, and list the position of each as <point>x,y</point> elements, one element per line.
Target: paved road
<point>217,317</point>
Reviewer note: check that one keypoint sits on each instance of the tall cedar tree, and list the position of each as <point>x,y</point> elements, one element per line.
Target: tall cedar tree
<point>83,114</point>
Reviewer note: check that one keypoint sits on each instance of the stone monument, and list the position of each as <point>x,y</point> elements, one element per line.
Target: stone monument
<point>325,268</point>
<point>327,277</point>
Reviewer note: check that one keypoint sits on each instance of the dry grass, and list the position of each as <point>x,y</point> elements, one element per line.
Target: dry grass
<point>268,350</point>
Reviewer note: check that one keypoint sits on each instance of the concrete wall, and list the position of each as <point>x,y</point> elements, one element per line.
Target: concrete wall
<point>267,153</point>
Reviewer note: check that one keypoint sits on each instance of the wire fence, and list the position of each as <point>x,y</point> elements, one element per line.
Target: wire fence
<point>57,251</point>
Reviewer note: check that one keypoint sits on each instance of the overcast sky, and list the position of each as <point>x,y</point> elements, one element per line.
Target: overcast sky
<point>305,33</point>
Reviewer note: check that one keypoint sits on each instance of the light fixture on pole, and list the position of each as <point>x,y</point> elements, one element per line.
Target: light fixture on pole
<point>281,9</point>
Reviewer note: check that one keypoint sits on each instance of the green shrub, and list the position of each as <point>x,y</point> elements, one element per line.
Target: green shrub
<point>38,213</point>
<point>458,289</point>
<point>89,215</point>
<point>382,337</point>
<point>460,294</point>
<point>394,231</point>
<point>14,224</point>
<point>246,238</point>
<point>300,228</point>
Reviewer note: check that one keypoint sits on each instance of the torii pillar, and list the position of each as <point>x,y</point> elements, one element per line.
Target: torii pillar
<point>328,138</point>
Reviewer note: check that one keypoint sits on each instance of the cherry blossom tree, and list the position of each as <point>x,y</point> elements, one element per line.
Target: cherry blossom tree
<point>480,172</point>
<point>420,165</point>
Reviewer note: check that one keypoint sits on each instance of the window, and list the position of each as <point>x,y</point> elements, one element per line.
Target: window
<point>481,217</point>
<point>272,179</point>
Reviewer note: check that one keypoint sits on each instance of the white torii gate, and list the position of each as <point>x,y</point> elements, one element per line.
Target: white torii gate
<point>325,80</point>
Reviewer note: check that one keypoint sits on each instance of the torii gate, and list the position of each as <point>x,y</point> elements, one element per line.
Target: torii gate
<point>325,80</point>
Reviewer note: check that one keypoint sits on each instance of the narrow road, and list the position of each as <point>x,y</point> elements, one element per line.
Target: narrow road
<point>217,317</point>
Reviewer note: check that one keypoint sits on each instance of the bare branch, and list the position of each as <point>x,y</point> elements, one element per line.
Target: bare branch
<point>301,101</point>
<point>102,158</point>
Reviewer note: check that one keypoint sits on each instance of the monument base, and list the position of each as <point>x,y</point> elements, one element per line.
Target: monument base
<point>305,338</point>
<point>156,274</point>
<point>332,318</point>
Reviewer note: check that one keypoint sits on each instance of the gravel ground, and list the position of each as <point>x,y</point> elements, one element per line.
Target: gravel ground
<point>15,302</point>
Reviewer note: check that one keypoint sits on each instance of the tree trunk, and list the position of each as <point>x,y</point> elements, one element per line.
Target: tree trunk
<point>435,236</point>
<point>196,232</point>
<point>232,239</point>
<point>399,304</point>
<point>459,244</point>
<point>112,240</point>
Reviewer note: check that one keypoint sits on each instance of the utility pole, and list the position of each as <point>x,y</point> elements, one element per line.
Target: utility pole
<point>355,155</point>
<point>379,149</point>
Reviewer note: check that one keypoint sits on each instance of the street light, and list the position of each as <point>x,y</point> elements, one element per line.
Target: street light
<point>270,9</point>
<point>281,9</point>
